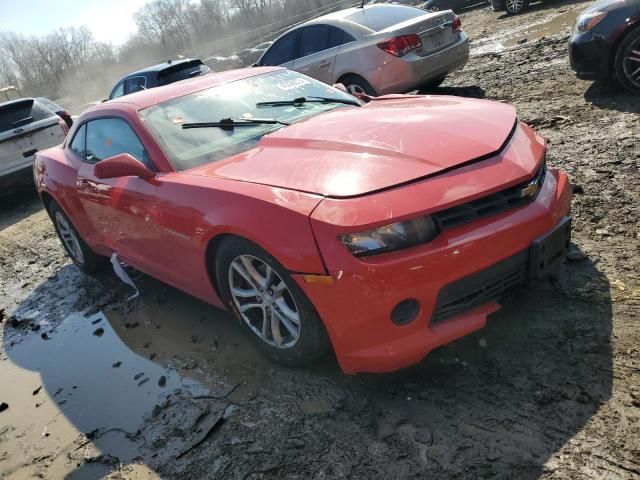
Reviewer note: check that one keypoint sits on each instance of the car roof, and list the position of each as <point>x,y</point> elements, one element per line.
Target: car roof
<point>161,66</point>
<point>153,96</point>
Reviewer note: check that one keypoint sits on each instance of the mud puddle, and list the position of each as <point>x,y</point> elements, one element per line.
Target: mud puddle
<point>556,25</point>
<point>75,383</point>
<point>510,37</point>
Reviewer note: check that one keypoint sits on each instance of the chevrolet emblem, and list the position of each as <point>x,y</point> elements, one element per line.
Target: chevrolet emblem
<point>530,190</point>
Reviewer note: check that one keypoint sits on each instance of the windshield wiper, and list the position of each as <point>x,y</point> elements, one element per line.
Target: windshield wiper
<point>311,99</point>
<point>231,123</point>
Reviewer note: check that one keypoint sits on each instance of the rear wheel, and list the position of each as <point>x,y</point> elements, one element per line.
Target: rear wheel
<point>273,309</point>
<point>79,252</point>
<point>514,7</point>
<point>627,61</point>
<point>356,85</point>
<point>434,83</point>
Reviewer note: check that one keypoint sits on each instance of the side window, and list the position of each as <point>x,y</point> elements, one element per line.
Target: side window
<point>117,91</point>
<point>134,84</point>
<point>282,51</point>
<point>338,37</point>
<point>78,142</point>
<point>314,39</point>
<point>107,137</point>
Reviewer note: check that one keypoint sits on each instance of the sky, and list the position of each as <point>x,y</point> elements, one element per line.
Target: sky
<point>109,20</point>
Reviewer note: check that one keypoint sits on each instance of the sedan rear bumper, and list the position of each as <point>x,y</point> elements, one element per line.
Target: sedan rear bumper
<point>357,308</point>
<point>412,71</point>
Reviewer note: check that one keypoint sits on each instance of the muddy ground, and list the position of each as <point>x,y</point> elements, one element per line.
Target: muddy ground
<point>166,386</point>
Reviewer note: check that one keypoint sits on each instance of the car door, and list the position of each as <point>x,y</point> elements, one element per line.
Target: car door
<point>317,49</point>
<point>282,52</point>
<point>122,212</point>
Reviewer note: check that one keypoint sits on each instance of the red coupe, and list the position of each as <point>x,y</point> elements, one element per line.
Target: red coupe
<point>383,229</point>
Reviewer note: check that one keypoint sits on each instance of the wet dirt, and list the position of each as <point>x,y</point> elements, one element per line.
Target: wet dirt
<point>550,389</point>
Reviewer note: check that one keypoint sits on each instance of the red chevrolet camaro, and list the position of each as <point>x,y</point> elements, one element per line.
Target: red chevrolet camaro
<point>382,229</point>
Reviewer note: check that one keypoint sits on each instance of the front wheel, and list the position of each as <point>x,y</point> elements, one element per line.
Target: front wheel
<point>627,61</point>
<point>79,252</point>
<point>273,309</point>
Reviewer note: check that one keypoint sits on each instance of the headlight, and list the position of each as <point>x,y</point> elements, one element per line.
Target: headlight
<point>391,237</point>
<point>589,20</point>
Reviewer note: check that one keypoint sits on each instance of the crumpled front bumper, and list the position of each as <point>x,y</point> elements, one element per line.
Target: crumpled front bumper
<point>356,308</point>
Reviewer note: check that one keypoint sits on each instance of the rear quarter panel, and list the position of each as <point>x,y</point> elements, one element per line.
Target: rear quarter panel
<point>362,57</point>
<point>55,175</point>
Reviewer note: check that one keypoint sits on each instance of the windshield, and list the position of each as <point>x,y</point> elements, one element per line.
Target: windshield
<point>188,148</point>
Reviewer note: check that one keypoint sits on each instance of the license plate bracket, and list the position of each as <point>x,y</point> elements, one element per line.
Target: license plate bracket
<point>550,249</point>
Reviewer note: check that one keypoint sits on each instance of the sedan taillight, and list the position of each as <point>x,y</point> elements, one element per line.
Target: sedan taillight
<point>63,125</point>
<point>400,46</point>
<point>456,24</point>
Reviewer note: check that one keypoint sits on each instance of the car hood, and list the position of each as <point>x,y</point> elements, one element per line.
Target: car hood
<point>352,151</point>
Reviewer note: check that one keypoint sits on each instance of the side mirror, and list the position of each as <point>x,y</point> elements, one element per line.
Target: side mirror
<point>121,165</point>
<point>340,86</point>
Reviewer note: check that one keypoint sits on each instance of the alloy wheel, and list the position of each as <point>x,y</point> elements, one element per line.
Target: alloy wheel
<point>514,6</point>
<point>631,63</point>
<point>355,89</point>
<point>264,301</point>
<point>69,237</point>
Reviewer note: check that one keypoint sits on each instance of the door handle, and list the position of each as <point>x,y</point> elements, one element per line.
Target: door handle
<point>326,63</point>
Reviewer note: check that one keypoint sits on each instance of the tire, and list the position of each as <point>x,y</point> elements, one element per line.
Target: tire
<point>513,7</point>
<point>625,63</point>
<point>79,252</point>
<point>355,85</point>
<point>433,83</point>
<point>243,266</point>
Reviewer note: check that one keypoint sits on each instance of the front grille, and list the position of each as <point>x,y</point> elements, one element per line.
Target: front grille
<point>480,287</point>
<point>491,204</point>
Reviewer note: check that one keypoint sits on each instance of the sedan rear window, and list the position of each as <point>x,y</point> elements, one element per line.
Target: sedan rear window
<point>21,113</point>
<point>182,71</point>
<point>192,147</point>
<point>384,16</point>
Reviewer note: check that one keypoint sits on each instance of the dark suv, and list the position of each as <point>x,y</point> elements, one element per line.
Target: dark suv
<point>158,75</point>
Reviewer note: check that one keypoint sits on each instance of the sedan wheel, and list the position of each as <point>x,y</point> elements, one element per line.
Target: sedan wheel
<point>264,301</point>
<point>627,63</point>
<point>515,6</point>
<point>69,237</point>
<point>356,85</point>
<point>355,89</point>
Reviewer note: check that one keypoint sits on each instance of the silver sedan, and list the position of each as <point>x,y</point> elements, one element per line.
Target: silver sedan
<point>377,49</point>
